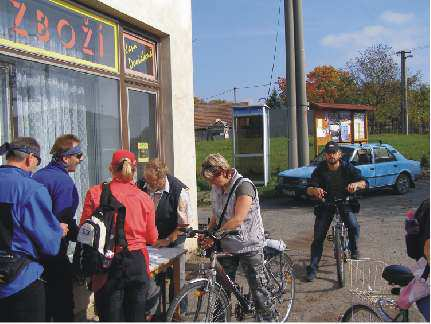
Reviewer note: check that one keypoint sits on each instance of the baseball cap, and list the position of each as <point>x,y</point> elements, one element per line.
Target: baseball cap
<point>331,147</point>
<point>120,155</point>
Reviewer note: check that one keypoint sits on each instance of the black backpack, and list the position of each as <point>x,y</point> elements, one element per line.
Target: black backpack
<point>99,236</point>
<point>417,230</point>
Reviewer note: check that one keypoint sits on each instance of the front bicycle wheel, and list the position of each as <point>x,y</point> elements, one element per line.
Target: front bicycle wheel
<point>361,313</point>
<point>339,256</point>
<point>281,283</point>
<point>192,304</point>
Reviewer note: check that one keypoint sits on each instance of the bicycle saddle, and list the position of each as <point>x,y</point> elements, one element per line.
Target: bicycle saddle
<point>397,275</point>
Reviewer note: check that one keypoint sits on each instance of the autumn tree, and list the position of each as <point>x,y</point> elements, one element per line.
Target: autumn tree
<point>327,84</point>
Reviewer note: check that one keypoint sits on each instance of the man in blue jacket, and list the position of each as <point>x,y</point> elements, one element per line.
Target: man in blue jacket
<point>66,156</point>
<point>28,229</point>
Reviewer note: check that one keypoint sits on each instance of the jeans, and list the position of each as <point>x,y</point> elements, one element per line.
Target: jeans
<point>321,226</point>
<point>252,264</point>
<point>59,289</point>
<point>424,307</point>
<point>27,305</point>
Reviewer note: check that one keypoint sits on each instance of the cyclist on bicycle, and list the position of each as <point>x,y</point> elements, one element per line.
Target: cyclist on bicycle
<point>331,180</point>
<point>242,213</point>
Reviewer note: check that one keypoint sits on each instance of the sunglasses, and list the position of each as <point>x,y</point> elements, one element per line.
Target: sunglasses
<point>79,155</point>
<point>39,160</point>
<point>211,173</point>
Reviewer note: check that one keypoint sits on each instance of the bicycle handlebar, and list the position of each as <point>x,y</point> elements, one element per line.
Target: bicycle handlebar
<point>216,235</point>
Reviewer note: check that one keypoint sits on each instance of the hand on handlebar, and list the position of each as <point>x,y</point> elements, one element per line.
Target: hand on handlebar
<point>205,242</point>
<point>352,187</point>
<point>319,193</point>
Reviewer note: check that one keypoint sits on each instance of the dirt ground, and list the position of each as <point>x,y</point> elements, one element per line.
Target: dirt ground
<point>382,238</point>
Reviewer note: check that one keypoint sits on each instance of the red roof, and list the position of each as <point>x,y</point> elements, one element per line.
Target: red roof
<point>334,106</point>
<point>207,114</point>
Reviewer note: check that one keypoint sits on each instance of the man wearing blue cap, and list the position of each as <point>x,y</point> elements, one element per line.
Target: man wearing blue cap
<point>332,179</point>
<point>66,156</point>
<point>28,230</point>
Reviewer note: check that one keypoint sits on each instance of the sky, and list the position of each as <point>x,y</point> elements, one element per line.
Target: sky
<point>234,40</point>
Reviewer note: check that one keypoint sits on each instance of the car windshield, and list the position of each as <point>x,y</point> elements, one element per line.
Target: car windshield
<point>346,151</point>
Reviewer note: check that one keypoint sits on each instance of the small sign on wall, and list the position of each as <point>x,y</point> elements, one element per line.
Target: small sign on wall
<point>139,56</point>
<point>143,153</point>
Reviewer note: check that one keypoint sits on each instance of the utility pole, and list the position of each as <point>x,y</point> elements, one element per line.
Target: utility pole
<point>292,152</point>
<point>404,109</point>
<point>234,94</point>
<point>301,96</point>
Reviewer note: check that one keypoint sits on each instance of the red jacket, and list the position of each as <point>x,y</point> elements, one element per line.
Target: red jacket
<point>139,227</point>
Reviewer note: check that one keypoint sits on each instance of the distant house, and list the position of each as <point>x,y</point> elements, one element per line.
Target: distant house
<point>214,121</point>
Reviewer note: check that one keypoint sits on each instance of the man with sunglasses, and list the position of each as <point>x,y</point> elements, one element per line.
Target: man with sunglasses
<point>28,229</point>
<point>66,156</point>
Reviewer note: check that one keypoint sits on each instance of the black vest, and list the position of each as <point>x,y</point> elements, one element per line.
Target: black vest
<point>166,212</point>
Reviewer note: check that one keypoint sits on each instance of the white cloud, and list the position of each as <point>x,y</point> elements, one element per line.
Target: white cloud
<point>366,36</point>
<point>396,17</point>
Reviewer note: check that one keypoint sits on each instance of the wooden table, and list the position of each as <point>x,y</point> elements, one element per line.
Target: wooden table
<point>163,258</point>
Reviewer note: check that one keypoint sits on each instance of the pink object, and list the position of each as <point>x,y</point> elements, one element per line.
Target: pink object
<point>410,214</point>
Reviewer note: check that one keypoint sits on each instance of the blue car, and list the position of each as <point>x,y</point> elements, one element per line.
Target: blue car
<point>381,164</point>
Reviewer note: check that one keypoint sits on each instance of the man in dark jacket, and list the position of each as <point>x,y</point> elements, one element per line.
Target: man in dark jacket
<point>28,229</point>
<point>66,156</point>
<point>333,179</point>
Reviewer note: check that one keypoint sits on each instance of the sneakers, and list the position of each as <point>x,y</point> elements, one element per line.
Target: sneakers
<point>355,255</point>
<point>311,273</point>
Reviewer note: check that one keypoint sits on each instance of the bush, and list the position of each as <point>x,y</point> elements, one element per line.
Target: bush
<point>425,163</point>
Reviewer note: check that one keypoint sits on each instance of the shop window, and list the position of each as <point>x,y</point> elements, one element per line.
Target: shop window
<point>50,101</point>
<point>142,125</point>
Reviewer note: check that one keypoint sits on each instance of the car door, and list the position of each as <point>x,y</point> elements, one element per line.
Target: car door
<point>362,159</point>
<point>386,166</point>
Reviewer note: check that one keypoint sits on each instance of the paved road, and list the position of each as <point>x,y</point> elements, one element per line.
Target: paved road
<point>382,238</point>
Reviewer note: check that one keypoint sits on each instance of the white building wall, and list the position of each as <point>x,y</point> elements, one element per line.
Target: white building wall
<point>171,20</point>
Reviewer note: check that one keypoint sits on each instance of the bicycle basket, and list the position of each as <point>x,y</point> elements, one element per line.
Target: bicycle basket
<point>364,280</point>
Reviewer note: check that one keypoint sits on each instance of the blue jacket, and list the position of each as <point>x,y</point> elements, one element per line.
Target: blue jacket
<point>35,230</point>
<point>64,195</point>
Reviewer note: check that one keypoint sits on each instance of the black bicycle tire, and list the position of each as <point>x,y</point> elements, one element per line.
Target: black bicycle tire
<point>190,287</point>
<point>338,251</point>
<point>288,263</point>
<point>347,316</point>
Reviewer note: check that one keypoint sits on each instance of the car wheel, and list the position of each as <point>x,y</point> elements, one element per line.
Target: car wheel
<point>402,184</point>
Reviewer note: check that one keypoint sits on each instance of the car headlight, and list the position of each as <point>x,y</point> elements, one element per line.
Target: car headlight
<point>303,182</point>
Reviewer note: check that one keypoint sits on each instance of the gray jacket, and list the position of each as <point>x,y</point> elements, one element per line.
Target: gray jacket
<point>251,233</point>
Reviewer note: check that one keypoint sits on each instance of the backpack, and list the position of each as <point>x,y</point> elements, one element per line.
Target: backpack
<point>99,235</point>
<point>416,230</point>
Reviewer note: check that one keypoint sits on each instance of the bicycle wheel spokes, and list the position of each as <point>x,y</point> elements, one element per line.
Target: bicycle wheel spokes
<point>361,313</point>
<point>281,285</point>
<point>192,305</point>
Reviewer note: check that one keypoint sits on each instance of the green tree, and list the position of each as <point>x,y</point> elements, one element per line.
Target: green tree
<point>274,100</point>
<point>419,108</point>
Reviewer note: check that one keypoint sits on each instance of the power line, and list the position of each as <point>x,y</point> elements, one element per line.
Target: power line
<point>234,89</point>
<point>275,48</point>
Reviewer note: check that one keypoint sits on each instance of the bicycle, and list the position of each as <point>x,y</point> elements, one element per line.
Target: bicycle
<point>208,299</point>
<point>340,238</point>
<point>377,294</point>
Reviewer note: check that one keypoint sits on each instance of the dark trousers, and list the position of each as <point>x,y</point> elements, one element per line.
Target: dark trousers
<point>124,296</point>
<point>252,264</point>
<point>27,305</point>
<point>59,289</point>
<point>321,226</point>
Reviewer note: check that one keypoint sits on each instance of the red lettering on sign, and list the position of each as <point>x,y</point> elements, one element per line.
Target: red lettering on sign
<point>42,26</point>
<point>61,24</point>
<point>18,18</point>
<point>87,40</point>
<point>100,37</point>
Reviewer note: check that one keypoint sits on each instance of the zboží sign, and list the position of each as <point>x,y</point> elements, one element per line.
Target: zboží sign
<point>59,30</point>
<point>139,56</point>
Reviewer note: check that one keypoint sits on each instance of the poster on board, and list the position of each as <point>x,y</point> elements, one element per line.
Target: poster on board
<point>143,153</point>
